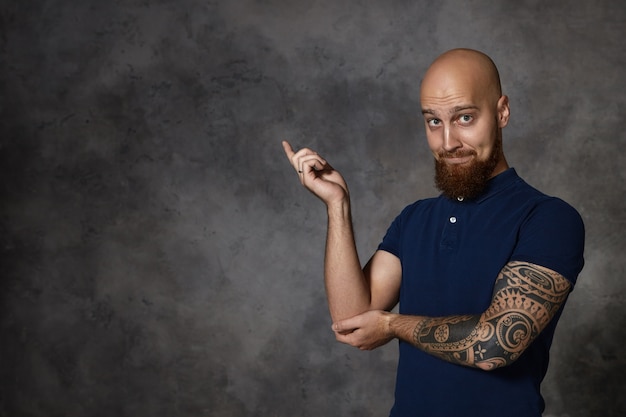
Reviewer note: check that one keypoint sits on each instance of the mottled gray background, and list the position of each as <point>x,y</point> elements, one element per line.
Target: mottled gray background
<point>159,257</point>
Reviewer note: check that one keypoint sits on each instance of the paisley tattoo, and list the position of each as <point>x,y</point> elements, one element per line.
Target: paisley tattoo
<point>525,298</point>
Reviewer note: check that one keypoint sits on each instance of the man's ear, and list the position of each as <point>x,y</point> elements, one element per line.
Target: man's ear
<point>503,111</point>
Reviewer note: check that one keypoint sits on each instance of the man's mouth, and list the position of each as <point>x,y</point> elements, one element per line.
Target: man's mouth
<point>457,159</point>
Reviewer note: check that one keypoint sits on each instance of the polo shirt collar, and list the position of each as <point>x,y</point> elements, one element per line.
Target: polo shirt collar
<point>498,183</point>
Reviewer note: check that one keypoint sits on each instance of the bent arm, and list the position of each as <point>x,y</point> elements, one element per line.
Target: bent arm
<point>350,290</point>
<point>346,289</point>
<point>525,298</point>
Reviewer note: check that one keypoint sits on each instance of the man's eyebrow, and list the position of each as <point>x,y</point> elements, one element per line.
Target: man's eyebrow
<point>454,110</point>
<point>464,107</point>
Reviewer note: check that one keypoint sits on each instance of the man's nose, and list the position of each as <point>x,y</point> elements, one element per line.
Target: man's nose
<point>450,141</point>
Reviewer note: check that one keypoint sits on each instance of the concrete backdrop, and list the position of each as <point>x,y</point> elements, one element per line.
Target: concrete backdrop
<point>159,257</point>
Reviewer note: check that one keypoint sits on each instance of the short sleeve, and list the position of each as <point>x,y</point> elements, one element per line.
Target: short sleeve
<point>553,236</point>
<point>391,240</point>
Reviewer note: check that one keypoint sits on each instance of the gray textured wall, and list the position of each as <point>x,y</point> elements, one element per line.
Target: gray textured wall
<point>159,257</point>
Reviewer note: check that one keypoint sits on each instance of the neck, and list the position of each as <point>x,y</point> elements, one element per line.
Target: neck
<point>501,166</point>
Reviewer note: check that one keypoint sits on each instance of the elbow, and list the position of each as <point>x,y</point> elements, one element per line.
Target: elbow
<point>490,364</point>
<point>490,358</point>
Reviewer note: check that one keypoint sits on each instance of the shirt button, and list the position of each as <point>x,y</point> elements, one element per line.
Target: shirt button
<point>452,219</point>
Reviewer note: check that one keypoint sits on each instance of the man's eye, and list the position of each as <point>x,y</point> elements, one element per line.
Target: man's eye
<point>466,118</point>
<point>433,122</point>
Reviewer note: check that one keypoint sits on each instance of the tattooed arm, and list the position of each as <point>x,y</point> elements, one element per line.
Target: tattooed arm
<point>525,298</point>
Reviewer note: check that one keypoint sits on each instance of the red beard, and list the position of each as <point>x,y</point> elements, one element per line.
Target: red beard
<point>467,180</point>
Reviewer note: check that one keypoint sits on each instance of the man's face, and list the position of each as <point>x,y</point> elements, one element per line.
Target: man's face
<point>463,128</point>
<point>467,179</point>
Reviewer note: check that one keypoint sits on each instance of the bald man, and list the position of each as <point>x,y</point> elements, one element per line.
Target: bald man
<point>481,273</point>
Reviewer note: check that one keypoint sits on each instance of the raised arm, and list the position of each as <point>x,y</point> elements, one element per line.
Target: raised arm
<point>350,290</point>
<point>525,298</point>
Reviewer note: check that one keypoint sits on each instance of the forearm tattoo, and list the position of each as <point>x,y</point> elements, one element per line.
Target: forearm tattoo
<point>525,299</point>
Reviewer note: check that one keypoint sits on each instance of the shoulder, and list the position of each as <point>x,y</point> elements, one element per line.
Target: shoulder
<point>539,205</point>
<point>411,217</point>
<point>552,235</point>
<point>555,216</point>
<point>423,205</point>
<point>550,209</point>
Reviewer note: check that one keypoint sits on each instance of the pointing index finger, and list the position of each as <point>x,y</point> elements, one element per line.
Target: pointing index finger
<point>288,150</point>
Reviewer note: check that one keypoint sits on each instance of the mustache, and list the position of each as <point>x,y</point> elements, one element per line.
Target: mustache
<point>455,154</point>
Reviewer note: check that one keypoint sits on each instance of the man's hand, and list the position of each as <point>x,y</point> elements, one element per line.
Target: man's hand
<point>366,331</point>
<point>317,175</point>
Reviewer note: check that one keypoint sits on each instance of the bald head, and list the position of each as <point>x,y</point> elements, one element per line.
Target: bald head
<point>462,71</point>
<point>464,113</point>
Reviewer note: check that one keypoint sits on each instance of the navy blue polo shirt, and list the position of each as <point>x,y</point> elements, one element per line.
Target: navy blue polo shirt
<point>451,252</point>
